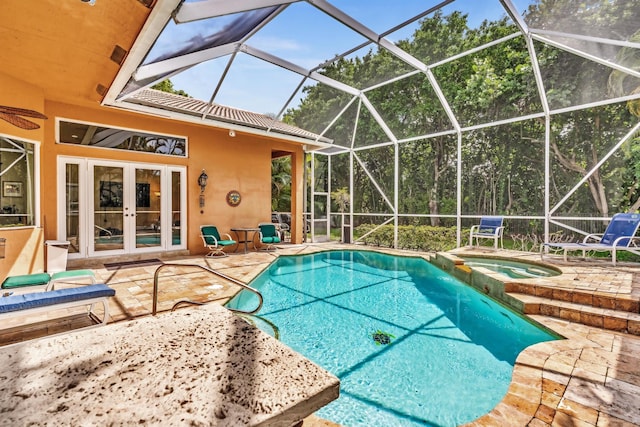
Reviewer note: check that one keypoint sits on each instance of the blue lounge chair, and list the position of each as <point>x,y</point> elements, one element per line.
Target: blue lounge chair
<point>490,227</point>
<point>25,305</point>
<point>619,236</point>
<point>214,242</point>
<point>269,235</point>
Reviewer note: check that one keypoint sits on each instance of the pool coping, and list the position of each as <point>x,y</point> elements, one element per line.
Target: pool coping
<point>588,379</point>
<point>549,378</point>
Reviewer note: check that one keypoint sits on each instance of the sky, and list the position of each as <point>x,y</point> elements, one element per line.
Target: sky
<point>304,36</point>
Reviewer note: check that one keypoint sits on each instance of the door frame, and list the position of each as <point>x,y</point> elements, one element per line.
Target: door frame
<point>86,211</point>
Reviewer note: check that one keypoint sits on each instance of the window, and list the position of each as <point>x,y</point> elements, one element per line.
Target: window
<point>120,139</point>
<point>17,181</point>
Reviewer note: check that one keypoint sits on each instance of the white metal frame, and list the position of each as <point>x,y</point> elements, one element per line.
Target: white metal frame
<point>187,12</point>
<point>85,211</point>
<point>34,203</point>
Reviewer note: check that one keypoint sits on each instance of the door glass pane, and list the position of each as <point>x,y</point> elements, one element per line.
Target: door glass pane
<point>175,208</point>
<point>72,203</point>
<point>107,206</point>
<point>148,212</point>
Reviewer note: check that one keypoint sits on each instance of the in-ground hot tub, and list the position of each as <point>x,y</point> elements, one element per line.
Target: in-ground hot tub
<point>512,269</point>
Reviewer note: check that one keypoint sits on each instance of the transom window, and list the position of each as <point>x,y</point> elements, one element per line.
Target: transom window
<point>94,135</point>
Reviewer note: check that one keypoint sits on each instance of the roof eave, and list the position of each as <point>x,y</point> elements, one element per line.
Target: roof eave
<point>171,114</point>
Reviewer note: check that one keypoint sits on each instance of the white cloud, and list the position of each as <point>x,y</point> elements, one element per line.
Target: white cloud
<point>276,44</point>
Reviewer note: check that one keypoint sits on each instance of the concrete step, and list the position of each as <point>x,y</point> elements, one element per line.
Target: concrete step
<point>606,318</point>
<point>610,301</point>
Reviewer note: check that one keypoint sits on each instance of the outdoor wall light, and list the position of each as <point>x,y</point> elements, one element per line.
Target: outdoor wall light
<point>202,182</point>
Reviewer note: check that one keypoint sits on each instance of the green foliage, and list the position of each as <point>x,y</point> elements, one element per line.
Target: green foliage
<point>281,184</point>
<point>341,198</point>
<point>419,238</point>
<point>503,166</point>
<point>382,338</point>
<point>630,185</point>
<point>167,86</point>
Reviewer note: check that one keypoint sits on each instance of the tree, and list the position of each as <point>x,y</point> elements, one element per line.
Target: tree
<point>281,184</point>
<point>503,165</point>
<point>167,86</point>
<point>341,198</point>
<point>621,84</point>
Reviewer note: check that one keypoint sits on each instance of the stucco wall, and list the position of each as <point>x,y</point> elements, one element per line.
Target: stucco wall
<point>241,163</point>
<point>24,250</point>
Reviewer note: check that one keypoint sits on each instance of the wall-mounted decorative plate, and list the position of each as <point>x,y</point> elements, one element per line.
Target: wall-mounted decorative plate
<point>233,198</point>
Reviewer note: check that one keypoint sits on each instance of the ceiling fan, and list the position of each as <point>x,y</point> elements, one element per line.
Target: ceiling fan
<point>15,116</point>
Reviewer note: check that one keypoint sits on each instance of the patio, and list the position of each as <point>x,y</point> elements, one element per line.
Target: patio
<point>423,119</point>
<point>588,379</point>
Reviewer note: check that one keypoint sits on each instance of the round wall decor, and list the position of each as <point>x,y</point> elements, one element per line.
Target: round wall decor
<point>233,198</point>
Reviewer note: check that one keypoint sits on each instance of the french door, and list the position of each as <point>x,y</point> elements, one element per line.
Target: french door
<point>114,208</point>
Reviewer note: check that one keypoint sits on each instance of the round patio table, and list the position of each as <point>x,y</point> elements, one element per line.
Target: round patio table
<point>246,231</point>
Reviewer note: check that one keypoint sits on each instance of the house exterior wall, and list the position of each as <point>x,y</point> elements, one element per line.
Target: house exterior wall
<point>24,250</point>
<point>241,163</point>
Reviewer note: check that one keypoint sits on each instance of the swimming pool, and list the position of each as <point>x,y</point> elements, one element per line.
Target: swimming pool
<point>412,346</point>
<point>512,269</point>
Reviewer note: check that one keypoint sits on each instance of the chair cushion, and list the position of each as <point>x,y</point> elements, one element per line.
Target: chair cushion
<point>209,231</point>
<point>226,242</point>
<point>59,296</point>
<point>36,279</point>
<point>268,230</point>
<point>72,274</point>
<point>274,239</point>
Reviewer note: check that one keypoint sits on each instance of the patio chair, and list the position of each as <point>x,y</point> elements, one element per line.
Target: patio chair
<point>490,227</point>
<point>620,235</point>
<point>269,235</point>
<point>214,242</point>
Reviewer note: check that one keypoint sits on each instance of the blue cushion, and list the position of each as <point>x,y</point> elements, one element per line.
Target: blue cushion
<point>59,296</point>
<point>226,242</point>
<point>25,280</point>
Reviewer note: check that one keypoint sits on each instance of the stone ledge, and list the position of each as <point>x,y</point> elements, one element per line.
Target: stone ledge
<point>195,366</point>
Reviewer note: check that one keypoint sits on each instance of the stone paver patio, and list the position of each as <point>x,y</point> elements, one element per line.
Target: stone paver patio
<point>591,378</point>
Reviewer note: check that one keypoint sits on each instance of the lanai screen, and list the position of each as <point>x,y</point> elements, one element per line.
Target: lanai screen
<point>437,112</point>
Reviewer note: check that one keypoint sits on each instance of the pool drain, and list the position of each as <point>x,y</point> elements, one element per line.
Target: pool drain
<point>382,338</point>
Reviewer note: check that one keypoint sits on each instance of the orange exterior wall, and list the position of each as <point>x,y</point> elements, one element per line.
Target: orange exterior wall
<point>241,163</point>
<point>24,250</point>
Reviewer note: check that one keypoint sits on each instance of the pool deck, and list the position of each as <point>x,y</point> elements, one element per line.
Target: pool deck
<point>591,378</point>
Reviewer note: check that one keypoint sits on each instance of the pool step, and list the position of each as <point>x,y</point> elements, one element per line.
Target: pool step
<point>618,302</point>
<point>606,318</point>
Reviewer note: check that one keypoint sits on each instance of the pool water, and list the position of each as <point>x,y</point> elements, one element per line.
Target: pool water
<point>412,346</point>
<point>512,269</point>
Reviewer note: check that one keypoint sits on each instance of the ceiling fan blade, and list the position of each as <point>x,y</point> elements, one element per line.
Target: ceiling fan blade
<point>19,121</point>
<point>22,112</point>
